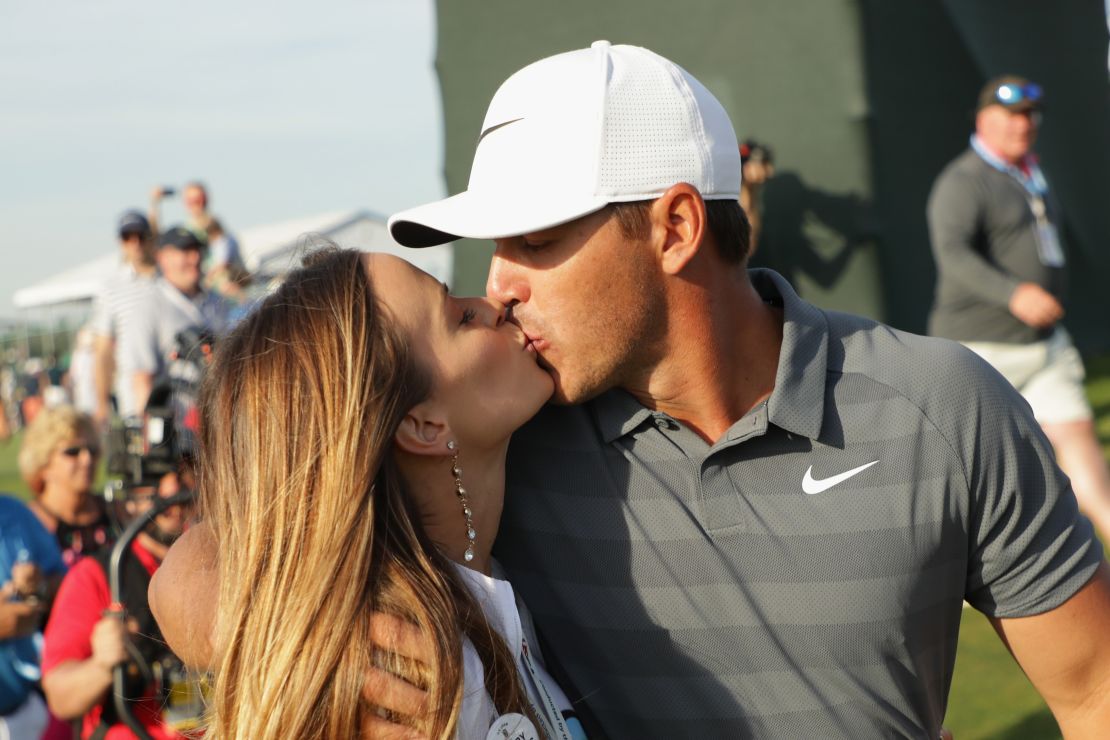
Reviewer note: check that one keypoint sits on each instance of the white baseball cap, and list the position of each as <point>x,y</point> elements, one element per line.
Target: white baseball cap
<point>567,135</point>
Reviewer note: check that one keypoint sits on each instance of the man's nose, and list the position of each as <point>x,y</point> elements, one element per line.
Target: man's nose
<point>505,283</point>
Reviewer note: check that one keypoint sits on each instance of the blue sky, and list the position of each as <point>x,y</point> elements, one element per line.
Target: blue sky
<point>285,108</point>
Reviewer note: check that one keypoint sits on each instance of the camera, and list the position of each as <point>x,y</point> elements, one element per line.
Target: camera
<point>167,191</point>
<point>141,450</point>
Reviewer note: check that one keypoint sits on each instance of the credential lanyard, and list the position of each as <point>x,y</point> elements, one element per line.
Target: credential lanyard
<point>1036,187</point>
<point>552,717</point>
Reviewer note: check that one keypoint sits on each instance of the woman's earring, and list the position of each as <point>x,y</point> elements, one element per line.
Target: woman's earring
<point>456,471</point>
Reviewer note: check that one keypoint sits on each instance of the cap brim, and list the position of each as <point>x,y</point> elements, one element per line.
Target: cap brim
<point>478,216</point>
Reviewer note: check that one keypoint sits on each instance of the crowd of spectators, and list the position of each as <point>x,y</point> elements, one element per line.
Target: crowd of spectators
<point>61,634</point>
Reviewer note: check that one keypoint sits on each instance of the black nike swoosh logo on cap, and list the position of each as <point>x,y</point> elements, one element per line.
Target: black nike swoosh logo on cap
<point>491,129</point>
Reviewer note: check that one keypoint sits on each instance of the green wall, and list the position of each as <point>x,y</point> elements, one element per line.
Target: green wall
<point>863,103</point>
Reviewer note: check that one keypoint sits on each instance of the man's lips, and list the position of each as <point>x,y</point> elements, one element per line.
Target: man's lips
<point>535,345</point>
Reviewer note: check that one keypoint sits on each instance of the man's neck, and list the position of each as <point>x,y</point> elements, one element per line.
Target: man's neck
<point>994,152</point>
<point>720,362</point>
<point>189,292</point>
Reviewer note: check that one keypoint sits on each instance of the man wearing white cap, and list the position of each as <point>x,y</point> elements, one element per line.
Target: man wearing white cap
<point>744,515</point>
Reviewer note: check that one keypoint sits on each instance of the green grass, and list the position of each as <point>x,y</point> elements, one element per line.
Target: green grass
<point>991,697</point>
<point>10,479</point>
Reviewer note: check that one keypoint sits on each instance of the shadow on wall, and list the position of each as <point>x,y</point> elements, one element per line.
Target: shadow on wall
<point>810,235</point>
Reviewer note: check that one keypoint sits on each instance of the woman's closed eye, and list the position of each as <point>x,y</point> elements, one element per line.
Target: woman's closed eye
<point>468,316</point>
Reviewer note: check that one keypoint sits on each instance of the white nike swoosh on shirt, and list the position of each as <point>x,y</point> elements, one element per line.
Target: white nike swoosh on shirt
<point>811,485</point>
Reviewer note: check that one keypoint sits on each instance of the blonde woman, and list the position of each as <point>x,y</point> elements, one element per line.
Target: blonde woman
<point>354,433</point>
<point>58,461</point>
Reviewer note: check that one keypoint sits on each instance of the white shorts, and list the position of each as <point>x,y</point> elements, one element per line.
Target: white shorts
<point>26,722</point>
<point>1048,374</point>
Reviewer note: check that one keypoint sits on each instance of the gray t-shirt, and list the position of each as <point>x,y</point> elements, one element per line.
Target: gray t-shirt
<point>984,238</point>
<point>164,313</point>
<point>804,576</point>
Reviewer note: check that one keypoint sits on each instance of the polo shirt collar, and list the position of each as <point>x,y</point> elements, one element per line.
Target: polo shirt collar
<point>797,404</point>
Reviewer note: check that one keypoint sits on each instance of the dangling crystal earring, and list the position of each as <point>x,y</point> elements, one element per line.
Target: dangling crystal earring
<point>456,471</point>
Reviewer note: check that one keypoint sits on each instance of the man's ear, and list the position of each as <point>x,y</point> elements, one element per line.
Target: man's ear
<point>424,430</point>
<point>678,217</point>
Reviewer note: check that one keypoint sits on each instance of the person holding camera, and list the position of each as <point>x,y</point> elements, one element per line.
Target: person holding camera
<point>87,635</point>
<point>177,302</point>
<point>30,570</point>
<point>223,267</point>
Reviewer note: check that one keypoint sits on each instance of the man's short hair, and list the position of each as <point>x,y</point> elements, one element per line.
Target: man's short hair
<point>727,222</point>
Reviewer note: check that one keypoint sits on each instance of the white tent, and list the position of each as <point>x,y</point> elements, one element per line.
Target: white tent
<point>268,250</point>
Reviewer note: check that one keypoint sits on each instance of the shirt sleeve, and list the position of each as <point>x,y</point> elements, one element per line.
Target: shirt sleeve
<point>1031,549</point>
<point>954,211</point>
<point>82,598</point>
<point>100,321</point>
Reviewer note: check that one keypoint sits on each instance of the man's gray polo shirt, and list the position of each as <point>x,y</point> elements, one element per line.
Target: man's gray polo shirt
<point>804,576</point>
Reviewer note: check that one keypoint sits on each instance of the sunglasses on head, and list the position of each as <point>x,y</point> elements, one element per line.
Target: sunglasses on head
<point>76,450</point>
<point>1011,94</point>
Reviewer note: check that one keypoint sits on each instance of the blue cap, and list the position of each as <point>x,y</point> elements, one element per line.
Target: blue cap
<point>133,222</point>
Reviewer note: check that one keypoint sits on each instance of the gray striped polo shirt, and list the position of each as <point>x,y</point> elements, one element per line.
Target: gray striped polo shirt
<point>804,576</point>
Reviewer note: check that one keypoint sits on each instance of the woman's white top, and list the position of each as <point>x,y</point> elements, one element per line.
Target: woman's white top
<point>479,719</point>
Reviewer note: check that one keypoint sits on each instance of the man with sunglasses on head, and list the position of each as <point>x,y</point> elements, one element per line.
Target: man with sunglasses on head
<point>114,312</point>
<point>1001,273</point>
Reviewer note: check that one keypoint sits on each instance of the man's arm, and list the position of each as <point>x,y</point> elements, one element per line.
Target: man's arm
<point>953,212</point>
<point>142,382</point>
<point>103,369</point>
<point>1065,653</point>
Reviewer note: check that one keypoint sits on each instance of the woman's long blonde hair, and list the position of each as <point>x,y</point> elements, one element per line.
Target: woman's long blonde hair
<point>313,526</point>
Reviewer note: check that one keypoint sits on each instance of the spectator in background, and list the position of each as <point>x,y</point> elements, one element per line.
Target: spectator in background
<point>30,570</point>
<point>85,642</point>
<point>81,378</point>
<point>1001,274</point>
<point>177,302</point>
<point>756,168</point>
<point>58,461</point>
<point>223,268</point>
<point>113,317</point>
<point>194,197</point>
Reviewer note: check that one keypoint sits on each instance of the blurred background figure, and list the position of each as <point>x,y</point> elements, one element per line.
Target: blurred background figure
<point>194,198</point>
<point>223,268</point>
<point>58,461</point>
<point>178,302</point>
<point>756,167</point>
<point>87,636</point>
<point>81,378</point>
<point>1001,273</point>
<point>113,317</point>
<point>55,392</point>
<point>30,570</point>
<point>222,265</point>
